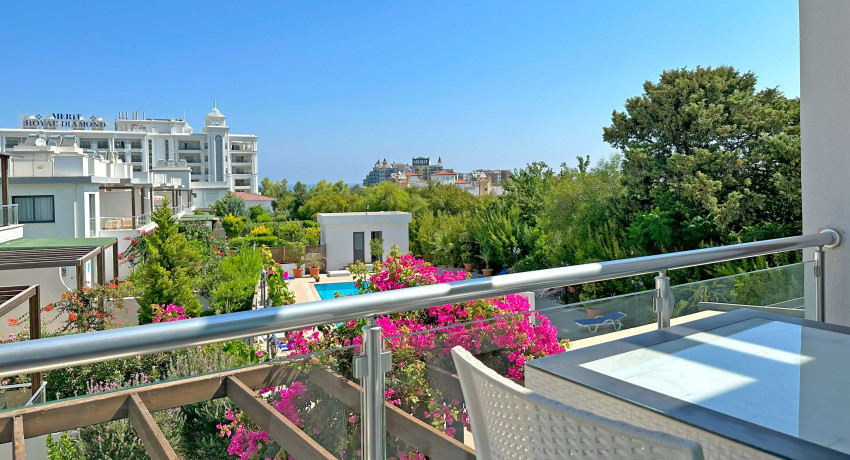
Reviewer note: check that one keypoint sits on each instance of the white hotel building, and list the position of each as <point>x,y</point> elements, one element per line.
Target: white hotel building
<point>71,177</point>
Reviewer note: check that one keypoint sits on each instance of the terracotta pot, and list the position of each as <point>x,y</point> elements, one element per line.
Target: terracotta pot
<point>297,272</point>
<point>487,271</point>
<point>591,313</point>
<point>314,271</point>
<point>468,267</point>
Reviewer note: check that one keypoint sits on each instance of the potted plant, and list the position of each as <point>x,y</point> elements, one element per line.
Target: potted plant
<point>467,251</point>
<point>313,261</point>
<point>486,256</point>
<point>376,249</point>
<point>468,266</point>
<point>593,313</point>
<point>297,249</point>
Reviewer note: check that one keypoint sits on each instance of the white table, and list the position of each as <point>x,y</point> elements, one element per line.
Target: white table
<point>745,384</point>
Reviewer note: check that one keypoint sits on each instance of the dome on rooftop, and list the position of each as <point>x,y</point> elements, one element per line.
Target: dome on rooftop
<point>215,113</point>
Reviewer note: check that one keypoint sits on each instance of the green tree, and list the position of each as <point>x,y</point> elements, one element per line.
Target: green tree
<point>709,149</point>
<point>528,189</point>
<point>299,197</point>
<point>387,196</point>
<point>230,204</point>
<point>328,197</point>
<point>171,262</point>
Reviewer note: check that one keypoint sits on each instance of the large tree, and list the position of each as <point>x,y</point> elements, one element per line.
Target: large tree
<point>710,156</point>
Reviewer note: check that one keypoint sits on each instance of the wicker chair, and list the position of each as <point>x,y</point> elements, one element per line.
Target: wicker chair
<point>511,422</point>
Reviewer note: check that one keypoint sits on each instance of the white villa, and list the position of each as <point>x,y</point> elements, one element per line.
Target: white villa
<point>346,235</point>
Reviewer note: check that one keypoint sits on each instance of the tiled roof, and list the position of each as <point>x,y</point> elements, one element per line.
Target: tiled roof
<point>252,196</point>
<point>444,173</point>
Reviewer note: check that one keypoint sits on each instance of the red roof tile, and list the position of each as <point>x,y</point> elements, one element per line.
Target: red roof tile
<point>252,196</point>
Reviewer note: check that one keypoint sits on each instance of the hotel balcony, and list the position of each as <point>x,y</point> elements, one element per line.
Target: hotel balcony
<point>746,366</point>
<point>10,229</point>
<point>775,300</point>
<point>240,160</point>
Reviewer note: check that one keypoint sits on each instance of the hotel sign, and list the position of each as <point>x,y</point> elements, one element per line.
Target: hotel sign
<point>62,120</point>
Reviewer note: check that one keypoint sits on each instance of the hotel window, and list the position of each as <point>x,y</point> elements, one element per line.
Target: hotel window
<point>11,142</point>
<point>34,209</point>
<point>103,144</point>
<point>136,144</point>
<point>166,150</point>
<point>119,144</point>
<point>137,168</point>
<point>150,153</point>
<point>206,145</point>
<point>85,144</point>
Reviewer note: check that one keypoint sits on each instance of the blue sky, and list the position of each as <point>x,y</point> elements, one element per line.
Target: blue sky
<point>329,87</point>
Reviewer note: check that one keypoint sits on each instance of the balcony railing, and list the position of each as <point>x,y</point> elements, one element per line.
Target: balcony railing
<point>8,215</point>
<point>780,288</point>
<point>124,222</point>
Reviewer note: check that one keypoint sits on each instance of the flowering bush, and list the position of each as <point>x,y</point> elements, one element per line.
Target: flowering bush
<point>167,313</point>
<point>87,309</point>
<point>500,331</point>
<point>279,292</point>
<point>137,252</point>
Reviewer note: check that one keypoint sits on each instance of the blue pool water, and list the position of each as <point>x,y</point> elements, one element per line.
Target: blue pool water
<point>326,291</point>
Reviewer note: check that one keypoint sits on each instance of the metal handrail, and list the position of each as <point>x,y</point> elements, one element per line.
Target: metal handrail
<point>73,350</point>
<point>39,394</point>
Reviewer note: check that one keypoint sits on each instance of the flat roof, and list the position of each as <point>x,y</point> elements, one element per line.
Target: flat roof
<point>342,218</point>
<point>198,217</point>
<point>56,243</point>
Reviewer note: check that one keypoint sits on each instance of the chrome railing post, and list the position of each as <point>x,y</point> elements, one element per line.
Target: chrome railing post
<point>662,302</point>
<point>370,368</point>
<point>820,285</point>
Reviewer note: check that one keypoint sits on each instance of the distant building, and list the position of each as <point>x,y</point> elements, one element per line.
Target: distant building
<point>423,167</point>
<point>421,172</point>
<point>444,177</point>
<point>383,172</point>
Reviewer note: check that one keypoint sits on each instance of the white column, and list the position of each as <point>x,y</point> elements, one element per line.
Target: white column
<point>825,118</point>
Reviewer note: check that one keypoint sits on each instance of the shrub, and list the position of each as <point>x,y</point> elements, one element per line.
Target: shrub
<point>64,449</point>
<point>232,225</point>
<point>255,212</point>
<point>262,230</point>
<point>253,242</point>
<point>265,218</point>
<point>313,235</point>
<point>169,270</point>
<point>290,231</point>
<point>239,275</point>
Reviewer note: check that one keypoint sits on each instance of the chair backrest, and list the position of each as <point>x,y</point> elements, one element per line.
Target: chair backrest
<point>511,422</point>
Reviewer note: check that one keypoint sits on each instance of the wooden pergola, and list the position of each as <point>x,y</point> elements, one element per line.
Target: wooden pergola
<point>136,190</point>
<point>238,385</point>
<point>13,296</point>
<point>24,253</point>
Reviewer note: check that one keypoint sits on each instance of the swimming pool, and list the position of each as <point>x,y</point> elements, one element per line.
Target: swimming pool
<point>326,291</point>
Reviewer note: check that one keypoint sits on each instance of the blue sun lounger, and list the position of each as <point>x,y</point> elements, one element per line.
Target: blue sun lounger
<point>592,324</point>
